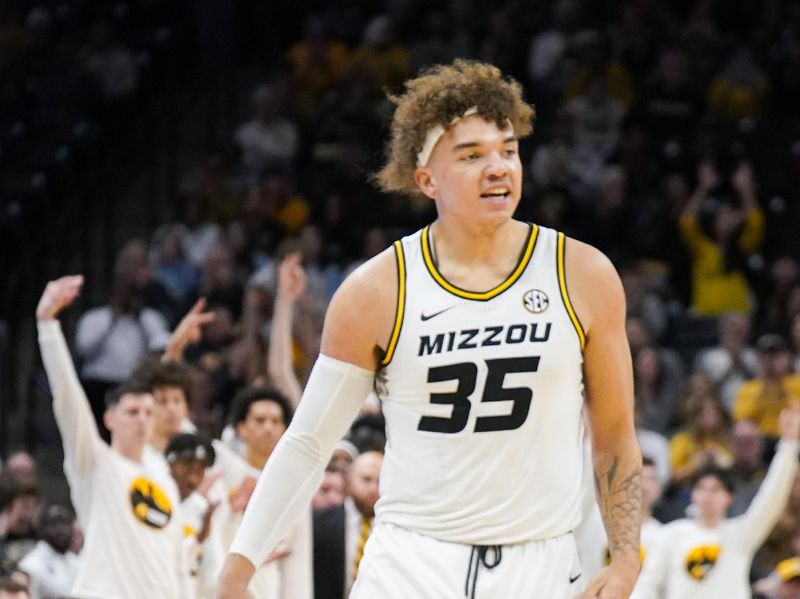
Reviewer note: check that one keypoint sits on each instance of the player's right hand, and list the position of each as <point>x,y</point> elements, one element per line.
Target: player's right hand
<point>58,295</point>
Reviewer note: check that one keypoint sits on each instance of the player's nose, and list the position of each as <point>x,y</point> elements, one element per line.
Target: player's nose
<point>496,167</point>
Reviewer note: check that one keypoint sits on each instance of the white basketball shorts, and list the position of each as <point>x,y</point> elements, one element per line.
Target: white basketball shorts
<point>400,564</point>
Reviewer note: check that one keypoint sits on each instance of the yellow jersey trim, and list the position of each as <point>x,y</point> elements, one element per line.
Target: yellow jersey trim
<point>562,284</point>
<point>525,258</point>
<point>401,302</point>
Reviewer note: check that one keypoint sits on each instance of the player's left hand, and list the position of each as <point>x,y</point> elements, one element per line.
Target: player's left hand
<point>612,582</point>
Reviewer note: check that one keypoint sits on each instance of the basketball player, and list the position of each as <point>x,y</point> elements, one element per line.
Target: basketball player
<point>129,512</point>
<point>481,334</point>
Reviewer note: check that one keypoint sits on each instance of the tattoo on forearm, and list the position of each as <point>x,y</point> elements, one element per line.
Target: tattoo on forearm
<point>620,499</point>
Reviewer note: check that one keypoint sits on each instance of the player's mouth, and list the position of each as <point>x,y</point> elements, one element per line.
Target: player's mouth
<point>498,194</point>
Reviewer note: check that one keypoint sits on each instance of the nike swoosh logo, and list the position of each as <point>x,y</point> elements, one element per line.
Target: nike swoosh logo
<point>571,579</point>
<point>425,317</point>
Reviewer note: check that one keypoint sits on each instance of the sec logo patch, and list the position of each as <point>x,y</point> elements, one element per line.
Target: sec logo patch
<point>535,301</point>
<point>150,503</point>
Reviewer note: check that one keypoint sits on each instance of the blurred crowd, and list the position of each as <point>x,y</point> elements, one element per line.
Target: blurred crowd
<point>667,134</point>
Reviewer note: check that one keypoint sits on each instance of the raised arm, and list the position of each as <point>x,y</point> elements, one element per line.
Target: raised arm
<point>70,406</point>
<point>769,502</point>
<point>599,301</point>
<point>291,286</point>
<point>707,178</point>
<point>188,331</point>
<point>357,325</point>
<point>744,181</point>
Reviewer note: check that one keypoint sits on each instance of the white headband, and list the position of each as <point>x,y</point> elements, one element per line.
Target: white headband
<point>435,134</point>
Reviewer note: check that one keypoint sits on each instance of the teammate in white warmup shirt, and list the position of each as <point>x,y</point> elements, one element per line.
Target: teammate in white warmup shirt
<point>710,555</point>
<point>127,510</point>
<point>480,334</point>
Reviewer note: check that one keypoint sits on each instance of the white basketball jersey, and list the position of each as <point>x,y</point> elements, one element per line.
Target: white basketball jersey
<point>482,394</point>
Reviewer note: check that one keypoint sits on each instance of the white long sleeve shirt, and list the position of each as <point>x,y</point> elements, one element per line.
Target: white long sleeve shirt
<point>111,347</point>
<point>51,573</point>
<point>133,535</point>
<point>692,562</point>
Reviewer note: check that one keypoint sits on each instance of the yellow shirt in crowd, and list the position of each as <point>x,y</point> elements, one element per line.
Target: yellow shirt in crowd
<point>763,404</point>
<point>715,290</point>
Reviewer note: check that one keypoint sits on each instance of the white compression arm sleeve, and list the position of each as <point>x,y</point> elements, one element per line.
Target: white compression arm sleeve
<point>330,402</point>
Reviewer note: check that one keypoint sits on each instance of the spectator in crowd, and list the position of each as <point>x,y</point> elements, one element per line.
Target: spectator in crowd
<point>740,90</point>
<point>593,53</point>
<point>340,531</point>
<point>198,232</point>
<point>116,496</point>
<point>670,103</point>
<point>655,448</point>
<point>548,56</point>
<point>19,508</point>
<point>732,361</point>
<point>645,304</point>
<point>596,116</point>
<point>331,490</point>
<point>110,340</point>
<point>783,280</point>
<point>735,232</point>
<point>709,554</point>
<point>761,399</point>
<point>704,442</point>
<point>172,268</point>
<point>317,61</point>
<point>219,282</point>
<point>386,61</point>
<point>747,446</point>
<point>659,386</point>
<point>51,567</point>
<point>270,139</point>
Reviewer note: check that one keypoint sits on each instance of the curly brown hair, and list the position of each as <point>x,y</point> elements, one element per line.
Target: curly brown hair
<point>437,96</point>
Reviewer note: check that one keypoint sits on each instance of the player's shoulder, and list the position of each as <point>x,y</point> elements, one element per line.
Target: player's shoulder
<point>361,313</point>
<point>374,280</point>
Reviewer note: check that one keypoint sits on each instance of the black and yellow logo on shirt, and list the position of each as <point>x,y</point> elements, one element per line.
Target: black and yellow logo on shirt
<point>150,503</point>
<point>700,560</point>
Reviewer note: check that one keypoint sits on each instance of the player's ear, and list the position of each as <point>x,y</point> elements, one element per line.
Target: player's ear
<point>108,418</point>
<point>423,177</point>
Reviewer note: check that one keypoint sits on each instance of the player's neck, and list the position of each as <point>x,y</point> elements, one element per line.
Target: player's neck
<point>462,242</point>
<point>133,453</point>
<point>159,442</point>
<point>255,458</point>
<point>709,521</point>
